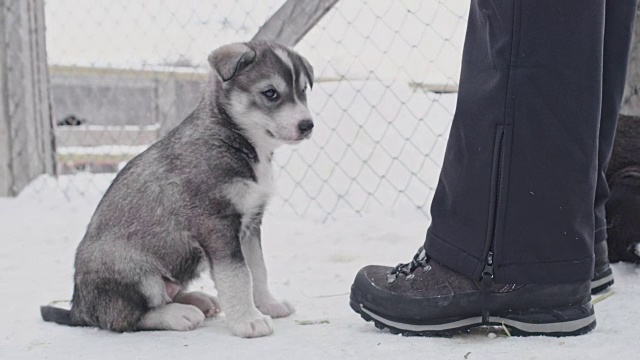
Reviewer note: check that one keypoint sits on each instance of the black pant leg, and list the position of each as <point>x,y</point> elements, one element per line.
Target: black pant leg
<point>520,170</point>
<point>618,30</point>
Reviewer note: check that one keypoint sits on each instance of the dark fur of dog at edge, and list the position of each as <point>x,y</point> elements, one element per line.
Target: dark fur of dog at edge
<point>623,207</point>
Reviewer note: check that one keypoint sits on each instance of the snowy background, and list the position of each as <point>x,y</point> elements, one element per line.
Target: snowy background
<point>379,136</point>
<point>357,193</point>
<point>408,39</point>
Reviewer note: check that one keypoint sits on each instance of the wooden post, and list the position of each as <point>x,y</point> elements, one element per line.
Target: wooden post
<point>5,144</point>
<point>26,128</point>
<point>631,98</point>
<point>293,20</point>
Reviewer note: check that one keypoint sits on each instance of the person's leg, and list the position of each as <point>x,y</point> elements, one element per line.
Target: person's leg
<point>515,200</point>
<point>619,19</point>
<point>519,174</point>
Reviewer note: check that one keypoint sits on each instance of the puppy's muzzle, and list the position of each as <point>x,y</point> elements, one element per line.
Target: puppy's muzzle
<point>305,127</point>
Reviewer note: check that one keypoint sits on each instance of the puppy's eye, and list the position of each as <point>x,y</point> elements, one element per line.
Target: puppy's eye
<point>304,90</point>
<point>271,94</point>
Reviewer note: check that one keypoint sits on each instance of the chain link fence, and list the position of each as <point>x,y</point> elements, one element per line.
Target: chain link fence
<point>123,73</point>
<point>385,100</point>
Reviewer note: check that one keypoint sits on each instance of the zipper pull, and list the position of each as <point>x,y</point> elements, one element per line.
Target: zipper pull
<point>488,267</point>
<point>485,281</point>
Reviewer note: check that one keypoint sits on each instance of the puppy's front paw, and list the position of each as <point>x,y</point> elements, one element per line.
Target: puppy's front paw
<point>277,309</point>
<point>260,326</point>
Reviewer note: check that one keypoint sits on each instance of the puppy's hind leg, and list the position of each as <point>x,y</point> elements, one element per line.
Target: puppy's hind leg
<point>107,303</point>
<point>208,304</point>
<point>173,316</point>
<point>164,315</point>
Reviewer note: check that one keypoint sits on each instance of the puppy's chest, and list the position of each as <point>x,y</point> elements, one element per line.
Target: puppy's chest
<point>250,196</point>
<point>264,185</point>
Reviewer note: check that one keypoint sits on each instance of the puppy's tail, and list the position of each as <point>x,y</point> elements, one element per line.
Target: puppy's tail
<point>57,315</point>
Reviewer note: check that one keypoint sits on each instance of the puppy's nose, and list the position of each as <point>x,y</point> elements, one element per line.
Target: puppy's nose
<point>305,126</point>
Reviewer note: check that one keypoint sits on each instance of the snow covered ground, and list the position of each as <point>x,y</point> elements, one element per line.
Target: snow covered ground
<point>311,264</point>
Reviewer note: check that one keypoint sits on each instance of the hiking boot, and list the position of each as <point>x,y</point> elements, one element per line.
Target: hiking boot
<point>602,274</point>
<point>426,298</point>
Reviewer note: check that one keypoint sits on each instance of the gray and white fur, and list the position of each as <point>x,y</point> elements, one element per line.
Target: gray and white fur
<point>193,202</point>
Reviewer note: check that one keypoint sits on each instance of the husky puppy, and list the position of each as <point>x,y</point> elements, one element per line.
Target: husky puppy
<point>194,201</point>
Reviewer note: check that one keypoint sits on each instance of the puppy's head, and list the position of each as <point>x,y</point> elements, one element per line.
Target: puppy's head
<point>263,87</point>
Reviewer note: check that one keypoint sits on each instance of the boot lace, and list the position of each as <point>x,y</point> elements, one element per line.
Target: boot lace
<point>420,260</point>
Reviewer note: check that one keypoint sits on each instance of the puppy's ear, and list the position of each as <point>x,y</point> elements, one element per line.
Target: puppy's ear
<point>229,60</point>
<point>308,71</point>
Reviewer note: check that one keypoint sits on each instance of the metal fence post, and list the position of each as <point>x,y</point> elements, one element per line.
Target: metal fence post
<point>26,128</point>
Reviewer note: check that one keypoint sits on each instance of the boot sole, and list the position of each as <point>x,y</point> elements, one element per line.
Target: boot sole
<point>570,321</point>
<point>602,281</point>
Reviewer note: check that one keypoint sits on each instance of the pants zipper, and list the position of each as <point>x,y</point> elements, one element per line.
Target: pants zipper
<point>487,272</point>
<point>488,268</point>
